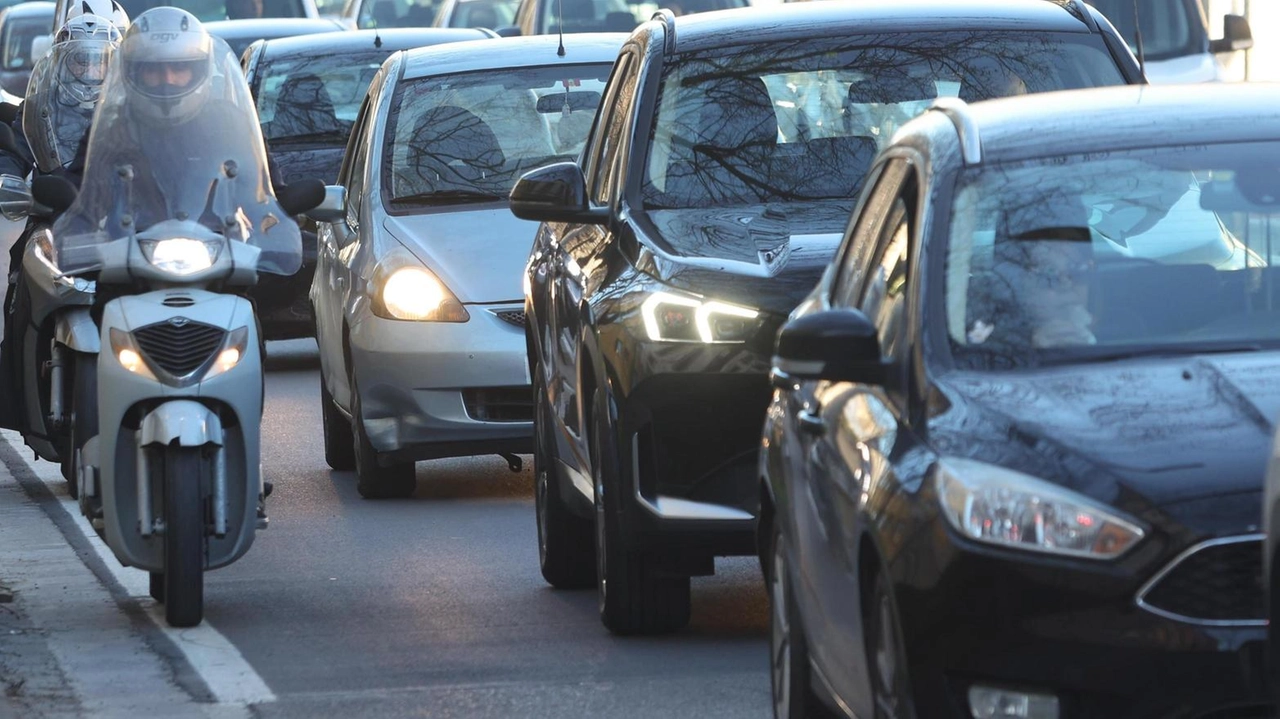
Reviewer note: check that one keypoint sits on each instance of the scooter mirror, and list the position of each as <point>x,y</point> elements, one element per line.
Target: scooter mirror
<point>15,198</point>
<point>55,193</point>
<point>298,197</point>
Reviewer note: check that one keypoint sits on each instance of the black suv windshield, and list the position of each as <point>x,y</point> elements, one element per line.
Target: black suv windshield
<point>1170,28</point>
<point>313,99</point>
<point>798,121</point>
<point>1159,251</point>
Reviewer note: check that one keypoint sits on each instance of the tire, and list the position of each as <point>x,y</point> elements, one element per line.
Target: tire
<point>396,481</point>
<point>792,683</point>
<point>184,535</point>
<point>885,655</point>
<point>634,597</point>
<point>84,416</point>
<point>157,587</point>
<point>566,551</point>
<point>339,443</point>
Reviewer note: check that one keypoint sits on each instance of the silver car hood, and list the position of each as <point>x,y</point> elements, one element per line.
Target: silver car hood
<point>479,254</point>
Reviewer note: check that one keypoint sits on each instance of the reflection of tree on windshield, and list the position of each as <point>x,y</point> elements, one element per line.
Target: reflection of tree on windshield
<point>803,120</point>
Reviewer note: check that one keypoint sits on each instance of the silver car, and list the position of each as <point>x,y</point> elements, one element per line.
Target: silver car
<point>417,292</point>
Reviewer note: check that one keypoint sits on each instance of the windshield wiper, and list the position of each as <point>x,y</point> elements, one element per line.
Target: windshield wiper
<point>1173,350</point>
<point>331,136</point>
<point>447,197</point>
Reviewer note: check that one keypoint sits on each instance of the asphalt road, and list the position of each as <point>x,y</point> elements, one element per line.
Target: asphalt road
<point>433,606</point>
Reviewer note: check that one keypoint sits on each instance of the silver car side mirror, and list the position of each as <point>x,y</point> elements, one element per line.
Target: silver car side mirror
<point>334,206</point>
<point>15,198</point>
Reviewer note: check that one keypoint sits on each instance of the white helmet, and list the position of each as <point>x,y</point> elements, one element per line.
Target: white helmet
<point>84,27</point>
<point>109,9</point>
<point>169,64</point>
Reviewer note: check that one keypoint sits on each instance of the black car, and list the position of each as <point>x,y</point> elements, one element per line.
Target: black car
<point>240,34</point>
<point>713,191</point>
<point>20,25</point>
<point>546,17</point>
<point>308,90</point>
<point>1016,452</point>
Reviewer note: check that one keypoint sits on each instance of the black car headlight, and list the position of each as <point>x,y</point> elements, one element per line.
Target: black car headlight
<point>671,317</point>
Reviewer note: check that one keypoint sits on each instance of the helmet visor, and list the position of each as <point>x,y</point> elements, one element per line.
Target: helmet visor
<point>168,79</point>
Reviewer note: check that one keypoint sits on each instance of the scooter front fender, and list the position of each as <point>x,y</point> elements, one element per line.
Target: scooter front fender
<point>182,421</point>
<point>76,329</point>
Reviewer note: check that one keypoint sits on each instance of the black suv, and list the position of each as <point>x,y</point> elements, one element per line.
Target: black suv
<point>720,174</point>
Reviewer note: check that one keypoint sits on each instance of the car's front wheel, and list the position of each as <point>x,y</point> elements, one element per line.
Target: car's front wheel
<point>565,548</point>
<point>339,442</point>
<point>634,596</point>
<point>885,654</point>
<point>373,480</point>
<point>793,695</point>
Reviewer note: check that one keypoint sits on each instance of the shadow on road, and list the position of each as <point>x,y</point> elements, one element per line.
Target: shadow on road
<point>292,355</point>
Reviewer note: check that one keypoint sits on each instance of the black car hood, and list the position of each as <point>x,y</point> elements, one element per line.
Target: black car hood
<point>1134,434</point>
<point>763,256</point>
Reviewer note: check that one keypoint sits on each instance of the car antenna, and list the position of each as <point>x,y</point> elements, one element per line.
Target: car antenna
<point>1137,35</point>
<point>560,12</point>
<point>377,36</point>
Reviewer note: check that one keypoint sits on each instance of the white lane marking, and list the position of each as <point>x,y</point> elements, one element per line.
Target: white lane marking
<point>229,676</point>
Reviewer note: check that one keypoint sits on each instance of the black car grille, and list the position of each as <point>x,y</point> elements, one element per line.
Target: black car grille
<point>180,347</point>
<point>1218,581</point>
<point>514,317</point>
<point>499,404</point>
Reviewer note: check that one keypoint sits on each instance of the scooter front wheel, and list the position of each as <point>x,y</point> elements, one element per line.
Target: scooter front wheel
<point>184,535</point>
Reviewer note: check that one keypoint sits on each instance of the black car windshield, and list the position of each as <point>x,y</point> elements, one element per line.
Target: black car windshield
<point>1112,255</point>
<point>1170,28</point>
<point>802,120</point>
<point>313,99</point>
<point>619,15</point>
<point>467,138</point>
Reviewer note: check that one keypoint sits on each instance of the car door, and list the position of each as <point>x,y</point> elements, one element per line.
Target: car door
<point>858,427</point>
<point>335,245</point>
<point>578,249</point>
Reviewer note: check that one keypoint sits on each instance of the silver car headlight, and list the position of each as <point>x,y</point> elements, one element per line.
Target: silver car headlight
<point>180,255</point>
<point>415,293</point>
<point>669,317</point>
<point>1000,506</point>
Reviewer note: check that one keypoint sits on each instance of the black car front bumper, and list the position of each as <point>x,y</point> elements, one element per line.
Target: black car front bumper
<point>978,615</point>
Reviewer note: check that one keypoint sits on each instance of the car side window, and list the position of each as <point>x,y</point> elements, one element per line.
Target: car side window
<point>352,175</point>
<point>864,232</point>
<point>614,135</point>
<point>885,293</point>
<point>607,132</point>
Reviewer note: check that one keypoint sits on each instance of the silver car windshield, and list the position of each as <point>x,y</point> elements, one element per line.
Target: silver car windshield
<point>1165,250</point>
<point>468,138</point>
<point>153,160</point>
<point>798,121</point>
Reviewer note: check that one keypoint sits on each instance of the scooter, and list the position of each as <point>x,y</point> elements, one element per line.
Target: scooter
<point>172,479</point>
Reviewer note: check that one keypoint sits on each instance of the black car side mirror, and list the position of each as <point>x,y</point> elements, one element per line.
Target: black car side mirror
<point>834,345</point>
<point>8,112</point>
<point>1236,35</point>
<point>555,193</point>
<point>54,192</point>
<point>298,197</point>
<point>8,142</point>
<point>509,31</point>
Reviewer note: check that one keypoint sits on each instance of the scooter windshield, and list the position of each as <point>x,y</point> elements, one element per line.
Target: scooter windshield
<point>176,142</point>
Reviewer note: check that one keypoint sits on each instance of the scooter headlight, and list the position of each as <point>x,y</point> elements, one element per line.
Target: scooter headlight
<point>231,353</point>
<point>128,354</point>
<point>180,255</point>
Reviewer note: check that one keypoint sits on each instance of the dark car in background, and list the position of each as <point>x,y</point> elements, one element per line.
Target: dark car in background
<point>240,34</point>
<point>1015,458</point>
<point>541,17</point>
<point>383,14</point>
<point>718,179</point>
<point>20,25</point>
<point>476,13</point>
<point>308,91</point>
<point>207,10</point>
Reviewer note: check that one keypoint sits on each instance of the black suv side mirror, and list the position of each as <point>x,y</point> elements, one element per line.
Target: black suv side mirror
<point>1236,35</point>
<point>555,193</point>
<point>834,345</point>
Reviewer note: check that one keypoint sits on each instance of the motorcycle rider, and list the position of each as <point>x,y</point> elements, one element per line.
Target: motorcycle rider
<point>56,116</point>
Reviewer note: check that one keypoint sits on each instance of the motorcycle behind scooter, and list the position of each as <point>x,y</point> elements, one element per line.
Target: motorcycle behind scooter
<point>173,233</point>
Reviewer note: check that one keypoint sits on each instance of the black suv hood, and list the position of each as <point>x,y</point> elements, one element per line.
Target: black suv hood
<point>1138,435</point>
<point>763,256</point>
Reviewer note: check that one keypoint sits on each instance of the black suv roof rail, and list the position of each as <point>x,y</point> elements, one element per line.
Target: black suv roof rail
<point>957,111</point>
<point>668,20</point>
